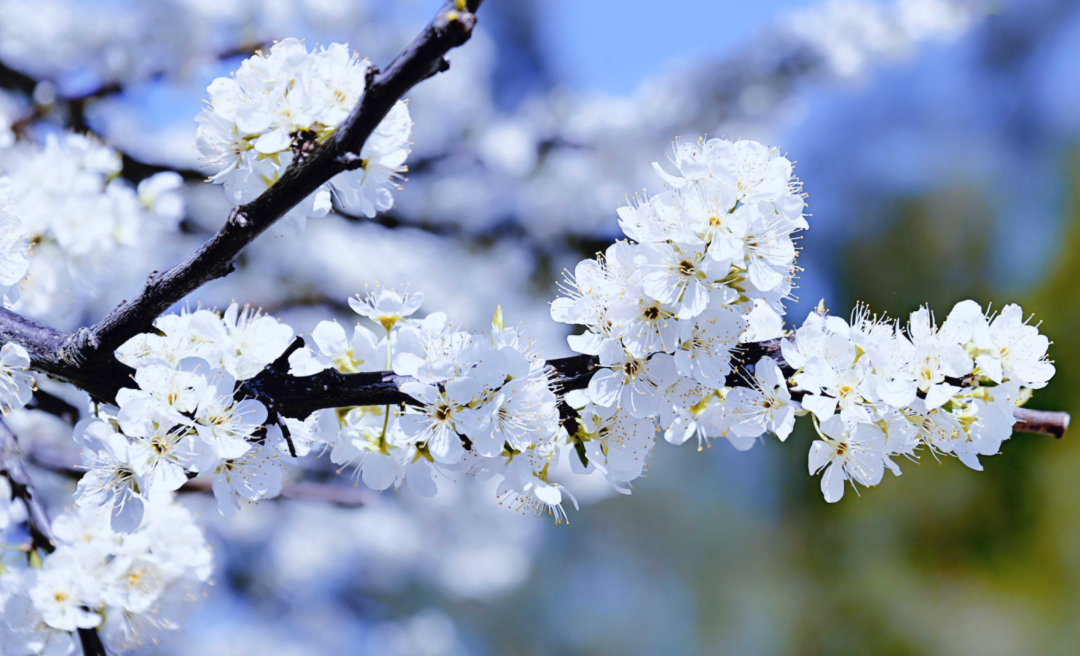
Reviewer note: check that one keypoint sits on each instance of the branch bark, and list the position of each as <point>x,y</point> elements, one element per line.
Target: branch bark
<point>294,396</point>
<point>299,397</point>
<point>1041,422</point>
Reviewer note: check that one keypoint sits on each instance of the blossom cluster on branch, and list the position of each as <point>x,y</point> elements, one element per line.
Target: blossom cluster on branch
<point>282,106</point>
<point>711,259</point>
<point>485,401</point>
<point>131,587</point>
<point>188,416</point>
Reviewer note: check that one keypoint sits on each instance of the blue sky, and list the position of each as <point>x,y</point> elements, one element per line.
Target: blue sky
<point>611,45</point>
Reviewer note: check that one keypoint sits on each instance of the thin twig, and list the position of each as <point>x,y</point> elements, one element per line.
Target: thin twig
<point>54,405</point>
<point>1042,422</point>
<point>351,496</point>
<point>11,467</point>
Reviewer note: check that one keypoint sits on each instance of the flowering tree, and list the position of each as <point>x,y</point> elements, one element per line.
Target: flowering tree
<point>680,334</point>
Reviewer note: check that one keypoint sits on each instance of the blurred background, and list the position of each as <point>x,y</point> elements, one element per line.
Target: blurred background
<point>939,142</point>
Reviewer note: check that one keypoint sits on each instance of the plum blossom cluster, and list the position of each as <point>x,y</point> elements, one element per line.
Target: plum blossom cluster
<point>711,254</point>
<point>131,587</point>
<point>711,260</point>
<point>189,416</point>
<point>66,199</point>
<point>493,394</point>
<point>485,403</point>
<point>876,391</point>
<point>282,104</point>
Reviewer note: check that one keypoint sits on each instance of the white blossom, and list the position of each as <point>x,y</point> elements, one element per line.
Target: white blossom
<point>367,442</point>
<point>333,349</point>
<point>61,590</point>
<point>765,405</point>
<point>848,453</point>
<point>16,383</point>
<point>111,481</point>
<point>161,198</point>
<point>250,478</point>
<point>386,307</point>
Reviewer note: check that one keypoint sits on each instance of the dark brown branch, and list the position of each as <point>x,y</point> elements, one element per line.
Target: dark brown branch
<point>49,355</point>
<point>11,467</point>
<point>91,643</point>
<point>16,80</point>
<point>421,59</point>
<point>350,496</point>
<point>293,396</point>
<point>300,396</point>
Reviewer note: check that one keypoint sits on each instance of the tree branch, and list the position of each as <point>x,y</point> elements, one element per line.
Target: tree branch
<point>300,396</point>
<point>54,405</point>
<point>91,643</point>
<point>1041,422</point>
<point>350,496</point>
<point>49,354</point>
<point>423,58</point>
<point>11,467</point>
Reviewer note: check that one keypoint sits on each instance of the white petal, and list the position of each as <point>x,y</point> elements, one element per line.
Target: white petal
<point>330,337</point>
<point>823,407</point>
<point>820,453</point>
<point>832,483</point>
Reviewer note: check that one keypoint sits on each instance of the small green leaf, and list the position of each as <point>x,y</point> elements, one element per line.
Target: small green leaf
<point>579,446</point>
